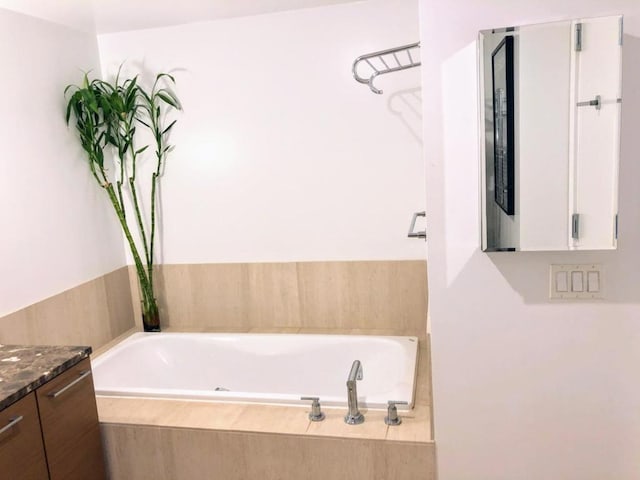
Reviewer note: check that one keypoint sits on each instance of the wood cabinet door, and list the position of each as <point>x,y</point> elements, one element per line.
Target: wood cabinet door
<point>70,429</point>
<point>21,450</point>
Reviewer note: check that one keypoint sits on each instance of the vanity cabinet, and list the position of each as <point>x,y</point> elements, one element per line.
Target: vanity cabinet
<point>70,428</point>
<point>21,451</point>
<point>58,437</point>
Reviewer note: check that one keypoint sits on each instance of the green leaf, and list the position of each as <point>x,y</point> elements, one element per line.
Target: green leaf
<point>70,107</point>
<point>145,95</point>
<point>163,75</point>
<point>168,99</point>
<point>69,87</point>
<point>99,157</point>
<point>169,127</point>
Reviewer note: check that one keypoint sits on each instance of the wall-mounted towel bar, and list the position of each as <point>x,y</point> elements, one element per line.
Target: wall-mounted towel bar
<point>386,61</point>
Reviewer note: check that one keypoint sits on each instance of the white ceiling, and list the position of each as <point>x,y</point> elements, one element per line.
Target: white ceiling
<point>104,16</point>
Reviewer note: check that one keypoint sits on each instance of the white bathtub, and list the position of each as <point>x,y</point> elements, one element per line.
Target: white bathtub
<point>263,368</point>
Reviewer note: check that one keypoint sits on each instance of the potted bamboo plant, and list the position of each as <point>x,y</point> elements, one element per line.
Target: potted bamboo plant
<point>110,118</point>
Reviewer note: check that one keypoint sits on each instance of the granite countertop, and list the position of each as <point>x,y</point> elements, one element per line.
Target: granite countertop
<point>24,368</point>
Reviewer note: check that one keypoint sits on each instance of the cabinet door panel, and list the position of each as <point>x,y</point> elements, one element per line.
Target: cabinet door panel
<point>21,451</point>
<point>70,426</point>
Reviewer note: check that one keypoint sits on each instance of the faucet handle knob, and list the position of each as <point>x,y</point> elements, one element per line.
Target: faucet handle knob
<point>392,417</point>
<point>316,414</point>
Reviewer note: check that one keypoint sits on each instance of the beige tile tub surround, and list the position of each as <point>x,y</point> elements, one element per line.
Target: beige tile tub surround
<point>164,439</point>
<point>92,313</point>
<point>186,454</point>
<point>364,295</point>
<point>256,418</point>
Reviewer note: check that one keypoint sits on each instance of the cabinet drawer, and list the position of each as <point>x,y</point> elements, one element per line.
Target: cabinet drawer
<point>21,451</point>
<point>70,428</point>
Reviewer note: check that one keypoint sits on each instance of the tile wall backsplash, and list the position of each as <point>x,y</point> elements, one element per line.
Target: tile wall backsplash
<point>92,313</point>
<point>360,295</point>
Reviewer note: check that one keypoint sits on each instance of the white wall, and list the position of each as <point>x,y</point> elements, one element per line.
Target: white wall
<point>57,229</point>
<point>523,388</point>
<point>280,155</point>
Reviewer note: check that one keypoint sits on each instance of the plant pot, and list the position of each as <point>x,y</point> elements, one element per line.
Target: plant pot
<point>151,321</point>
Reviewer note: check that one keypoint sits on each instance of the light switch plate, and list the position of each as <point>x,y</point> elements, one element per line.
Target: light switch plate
<point>575,281</point>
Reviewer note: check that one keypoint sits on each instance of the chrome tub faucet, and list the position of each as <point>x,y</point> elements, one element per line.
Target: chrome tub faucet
<point>353,416</point>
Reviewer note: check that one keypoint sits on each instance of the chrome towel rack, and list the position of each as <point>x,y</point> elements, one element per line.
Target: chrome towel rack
<point>386,61</point>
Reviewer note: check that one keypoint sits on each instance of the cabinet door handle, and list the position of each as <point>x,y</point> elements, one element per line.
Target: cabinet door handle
<point>82,376</point>
<point>14,421</point>
<point>412,234</point>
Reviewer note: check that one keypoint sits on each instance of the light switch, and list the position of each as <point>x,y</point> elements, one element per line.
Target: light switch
<point>593,281</point>
<point>577,282</point>
<point>562,284</point>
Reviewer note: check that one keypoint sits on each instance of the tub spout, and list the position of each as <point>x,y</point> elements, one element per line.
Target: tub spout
<point>353,416</point>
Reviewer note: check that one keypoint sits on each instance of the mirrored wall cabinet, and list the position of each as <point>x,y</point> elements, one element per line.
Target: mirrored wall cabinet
<point>550,127</point>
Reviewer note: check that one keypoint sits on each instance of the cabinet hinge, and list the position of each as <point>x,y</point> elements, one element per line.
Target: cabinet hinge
<point>575,226</point>
<point>578,44</point>
<point>620,31</point>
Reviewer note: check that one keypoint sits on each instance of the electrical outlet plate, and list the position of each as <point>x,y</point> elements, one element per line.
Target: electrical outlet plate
<point>575,281</point>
